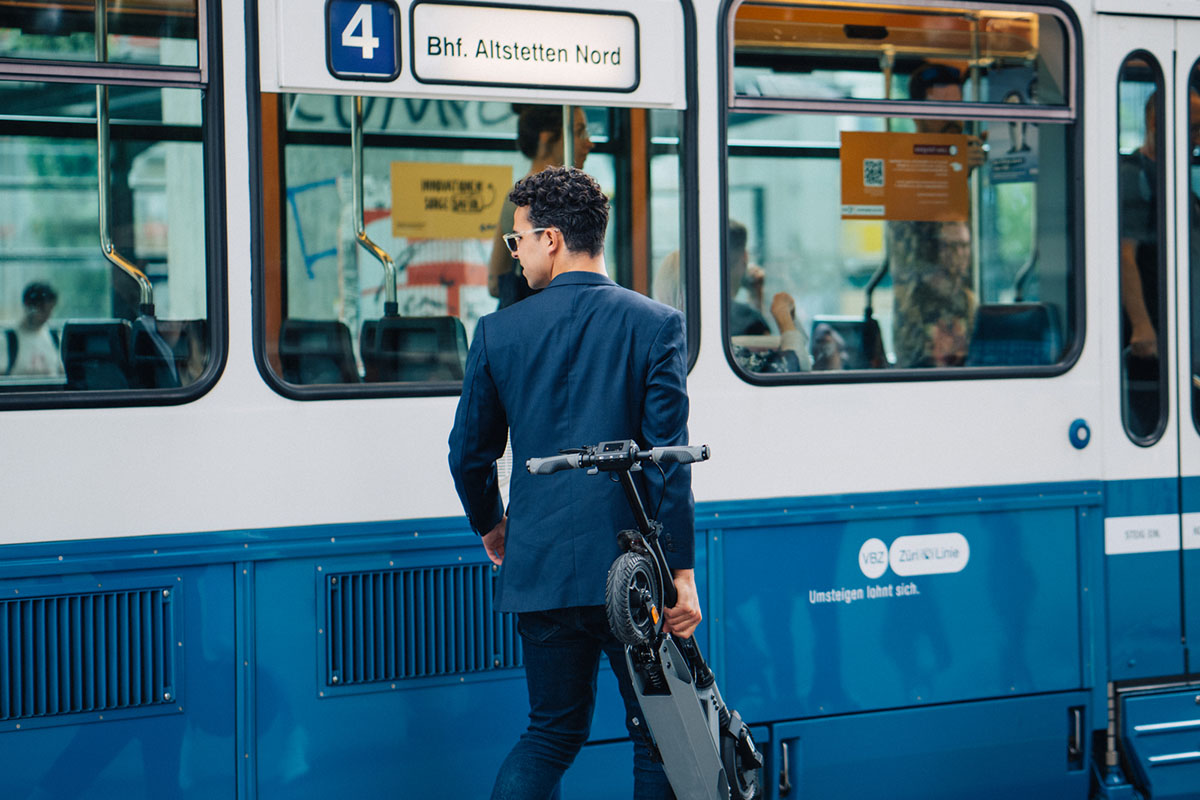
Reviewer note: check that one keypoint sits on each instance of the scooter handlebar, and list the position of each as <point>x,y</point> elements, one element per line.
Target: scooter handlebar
<point>549,464</point>
<point>679,454</point>
<point>674,454</point>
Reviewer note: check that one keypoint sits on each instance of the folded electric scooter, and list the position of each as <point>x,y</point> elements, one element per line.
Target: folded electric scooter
<point>706,749</point>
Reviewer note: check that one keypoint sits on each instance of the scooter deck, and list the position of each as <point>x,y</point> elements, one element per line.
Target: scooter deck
<point>684,723</point>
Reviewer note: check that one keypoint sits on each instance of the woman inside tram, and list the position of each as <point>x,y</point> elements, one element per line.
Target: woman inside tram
<point>539,138</point>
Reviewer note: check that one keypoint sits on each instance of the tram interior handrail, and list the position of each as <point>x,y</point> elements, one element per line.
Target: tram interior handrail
<point>1023,274</point>
<point>107,246</point>
<point>390,306</point>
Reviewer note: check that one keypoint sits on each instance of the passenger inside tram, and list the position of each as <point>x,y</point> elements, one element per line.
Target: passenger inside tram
<point>828,348</point>
<point>667,286</point>
<point>539,138</point>
<point>930,261</point>
<point>1139,242</point>
<point>33,348</point>
<point>754,349</point>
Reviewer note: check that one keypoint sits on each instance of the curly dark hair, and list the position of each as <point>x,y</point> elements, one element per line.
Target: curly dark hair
<point>568,199</point>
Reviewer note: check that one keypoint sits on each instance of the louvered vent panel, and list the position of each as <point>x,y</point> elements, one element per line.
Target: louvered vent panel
<point>87,652</point>
<point>416,623</point>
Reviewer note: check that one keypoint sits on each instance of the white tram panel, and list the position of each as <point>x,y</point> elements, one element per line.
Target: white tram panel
<point>292,43</point>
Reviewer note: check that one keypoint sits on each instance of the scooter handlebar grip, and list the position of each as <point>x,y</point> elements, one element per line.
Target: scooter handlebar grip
<point>545,466</point>
<point>679,454</point>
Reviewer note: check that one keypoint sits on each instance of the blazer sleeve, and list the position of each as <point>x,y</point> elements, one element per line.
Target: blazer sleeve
<point>478,439</point>
<point>664,422</point>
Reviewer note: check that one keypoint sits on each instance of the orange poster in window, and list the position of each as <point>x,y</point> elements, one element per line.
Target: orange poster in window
<point>447,201</point>
<point>904,176</point>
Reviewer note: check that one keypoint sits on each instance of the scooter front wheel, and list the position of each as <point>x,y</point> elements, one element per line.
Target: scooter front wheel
<point>632,598</point>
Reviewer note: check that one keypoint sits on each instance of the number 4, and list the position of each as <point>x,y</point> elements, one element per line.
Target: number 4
<point>362,21</point>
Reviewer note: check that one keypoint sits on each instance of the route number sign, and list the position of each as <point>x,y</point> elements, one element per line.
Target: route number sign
<point>362,39</point>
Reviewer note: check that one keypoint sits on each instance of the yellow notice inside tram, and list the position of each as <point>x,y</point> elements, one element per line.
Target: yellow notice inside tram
<point>447,201</point>
<point>904,176</point>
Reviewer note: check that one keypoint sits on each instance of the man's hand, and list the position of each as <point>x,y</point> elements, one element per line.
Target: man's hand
<point>682,618</point>
<point>493,541</point>
<point>783,309</point>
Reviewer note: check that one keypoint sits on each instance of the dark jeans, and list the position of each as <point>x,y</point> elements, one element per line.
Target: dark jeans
<point>562,656</point>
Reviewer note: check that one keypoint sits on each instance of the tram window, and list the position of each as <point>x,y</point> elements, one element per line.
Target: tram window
<point>1193,235</point>
<point>435,178</point>
<point>158,32</point>
<point>949,243</point>
<point>1141,232</point>
<point>75,322</point>
<point>858,51</point>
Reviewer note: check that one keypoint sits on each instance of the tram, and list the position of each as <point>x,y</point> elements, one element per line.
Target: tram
<point>944,345</point>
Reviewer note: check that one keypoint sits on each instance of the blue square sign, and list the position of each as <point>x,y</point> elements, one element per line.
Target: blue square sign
<point>362,39</point>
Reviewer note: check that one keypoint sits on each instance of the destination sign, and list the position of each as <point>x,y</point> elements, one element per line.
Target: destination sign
<point>455,43</point>
<point>414,52</point>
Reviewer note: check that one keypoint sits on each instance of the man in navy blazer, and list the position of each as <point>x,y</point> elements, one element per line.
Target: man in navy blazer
<point>582,362</point>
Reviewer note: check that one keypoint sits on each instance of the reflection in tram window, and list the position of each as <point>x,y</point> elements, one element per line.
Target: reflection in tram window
<point>434,182</point>
<point>948,241</point>
<point>1141,252</point>
<point>100,329</point>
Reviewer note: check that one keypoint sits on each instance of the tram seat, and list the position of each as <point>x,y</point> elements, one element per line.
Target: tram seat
<point>414,349</point>
<point>151,359</point>
<point>316,351</point>
<point>851,330</point>
<point>96,354</point>
<point>188,341</point>
<point>1014,334</point>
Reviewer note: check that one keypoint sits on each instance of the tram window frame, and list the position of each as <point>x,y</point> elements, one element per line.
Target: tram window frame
<point>1158,80</point>
<point>207,79</point>
<point>1067,115</point>
<point>685,151</point>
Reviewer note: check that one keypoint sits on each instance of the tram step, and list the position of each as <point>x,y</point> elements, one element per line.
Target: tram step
<point>1161,736</point>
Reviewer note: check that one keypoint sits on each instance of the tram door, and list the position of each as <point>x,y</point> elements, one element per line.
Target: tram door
<point>1140,241</point>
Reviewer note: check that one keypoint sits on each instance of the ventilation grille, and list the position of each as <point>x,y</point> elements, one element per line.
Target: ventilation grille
<point>89,652</point>
<point>416,623</point>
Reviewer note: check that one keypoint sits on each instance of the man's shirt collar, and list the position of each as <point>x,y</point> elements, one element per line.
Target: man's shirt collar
<point>578,276</point>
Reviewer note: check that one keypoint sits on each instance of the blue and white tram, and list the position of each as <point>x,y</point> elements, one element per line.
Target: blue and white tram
<point>947,544</point>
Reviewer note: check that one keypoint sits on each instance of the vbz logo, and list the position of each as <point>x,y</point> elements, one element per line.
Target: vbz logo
<point>873,558</point>
<point>362,39</point>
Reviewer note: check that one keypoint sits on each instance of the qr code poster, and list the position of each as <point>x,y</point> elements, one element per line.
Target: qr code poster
<point>904,176</point>
<point>873,172</point>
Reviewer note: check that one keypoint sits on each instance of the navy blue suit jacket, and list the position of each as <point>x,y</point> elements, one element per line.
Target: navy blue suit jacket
<point>582,362</point>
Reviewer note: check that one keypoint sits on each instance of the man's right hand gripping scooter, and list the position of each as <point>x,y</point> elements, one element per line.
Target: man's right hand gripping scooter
<point>706,749</point>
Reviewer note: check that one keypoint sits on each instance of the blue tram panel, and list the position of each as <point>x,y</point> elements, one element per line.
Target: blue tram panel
<point>871,621</point>
<point>362,39</point>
